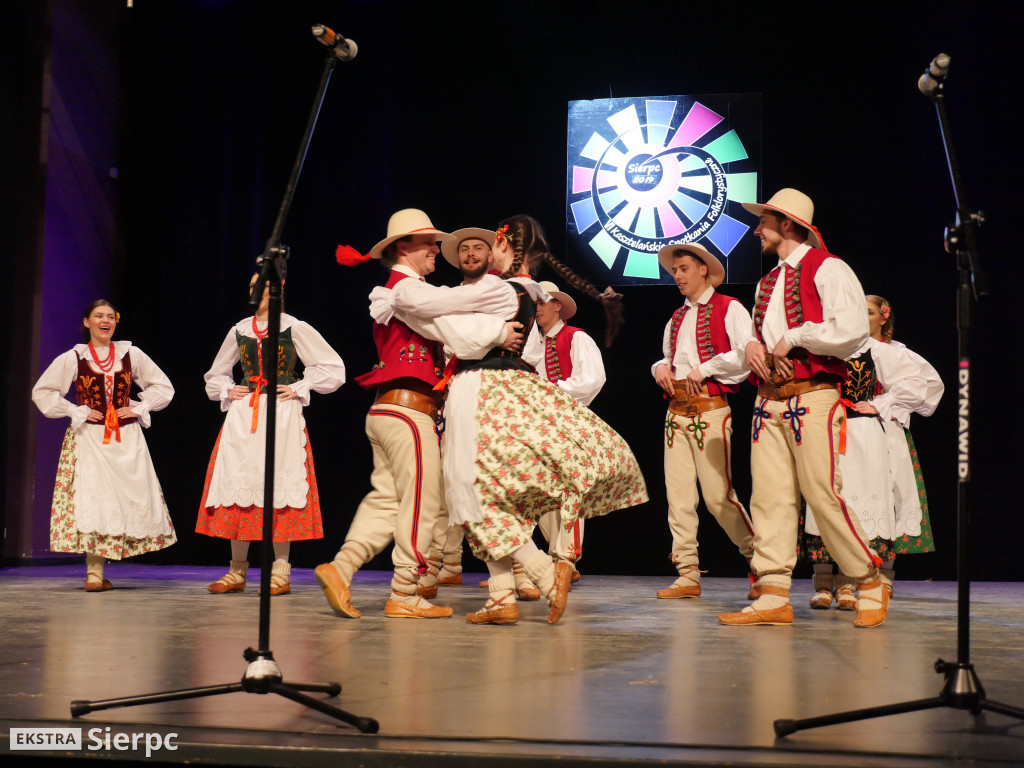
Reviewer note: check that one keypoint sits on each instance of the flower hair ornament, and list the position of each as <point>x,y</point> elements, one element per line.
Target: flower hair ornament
<point>503,234</point>
<point>117,317</point>
<point>885,311</point>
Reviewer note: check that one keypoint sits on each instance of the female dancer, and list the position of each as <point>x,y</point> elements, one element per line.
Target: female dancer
<point>517,446</point>
<point>233,494</point>
<point>883,386</point>
<point>913,527</point>
<point>107,500</point>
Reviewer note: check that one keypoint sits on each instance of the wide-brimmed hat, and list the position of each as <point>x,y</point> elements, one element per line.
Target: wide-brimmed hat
<point>568,305</point>
<point>716,272</point>
<point>450,248</point>
<point>793,204</point>
<point>410,221</point>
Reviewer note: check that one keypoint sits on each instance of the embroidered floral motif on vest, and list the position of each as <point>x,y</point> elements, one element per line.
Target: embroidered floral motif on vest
<point>704,347</point>
<point>860,383</point>
<point>794,309</point>
<point>554,371</point>
<point>705,350</point>
<point>763,295</point>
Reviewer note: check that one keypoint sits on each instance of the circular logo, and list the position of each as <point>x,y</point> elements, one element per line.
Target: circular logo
<point>668,178</point>
<point>643,173</point>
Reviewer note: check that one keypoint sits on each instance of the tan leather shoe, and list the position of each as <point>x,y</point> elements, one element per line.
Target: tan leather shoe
<point>338,594</point>
<point>822,599</point>
<point>781,615</point>
<point>495,613</point>
<point>575,575</point>
<point>95,583</point>
<point>692,589</point>
<point>485,583</point>
<point>868,617</point>
<point>230,582</point>
<point>755,591</point>
<point>527,591</point>
<point>670,593</point>
<point>455,580</point>
<point>559,595</point>
<point>846,599</point>
<point>396,610</point>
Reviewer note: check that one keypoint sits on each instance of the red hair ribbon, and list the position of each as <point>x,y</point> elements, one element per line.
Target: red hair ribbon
<point>348,256</point>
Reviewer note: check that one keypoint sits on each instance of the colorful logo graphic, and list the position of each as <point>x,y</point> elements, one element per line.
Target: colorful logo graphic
<point>655,171</point>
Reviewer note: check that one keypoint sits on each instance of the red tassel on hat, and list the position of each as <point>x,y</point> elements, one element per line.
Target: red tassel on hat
<point>348,256</point>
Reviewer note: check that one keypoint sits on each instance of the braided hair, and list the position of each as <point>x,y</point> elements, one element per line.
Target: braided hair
<point>530,248</point>
<point>885,310</point>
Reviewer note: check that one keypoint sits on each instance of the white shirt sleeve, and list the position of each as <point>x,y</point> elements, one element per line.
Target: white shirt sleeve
<point>324,370</point>
<point>666,352</point>
<point>844,327</point>
<point>533,348</point>
<point>49,391</point>
<point>468,336</point>
<point>588,376</point>
<point>220,378</point>
<point>156,390</point>
<point>731,367</point>
<point>420,299</point>
<point>911,384</point>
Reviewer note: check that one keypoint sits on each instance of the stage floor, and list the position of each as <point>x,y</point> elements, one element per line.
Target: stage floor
<point>623,677</point>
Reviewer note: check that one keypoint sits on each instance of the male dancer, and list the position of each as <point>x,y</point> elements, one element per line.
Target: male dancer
<point>572,361</point>
<point>408,495</point>
<point>703,364</point>
<point>810,314</point>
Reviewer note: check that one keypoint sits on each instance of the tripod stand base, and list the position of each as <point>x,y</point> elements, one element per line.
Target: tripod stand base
<point>261,676</point>
<point>963,690</point>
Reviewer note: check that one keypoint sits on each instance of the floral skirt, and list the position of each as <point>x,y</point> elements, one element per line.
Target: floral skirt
<point>540,450</point>
<point>64,533</point>
<point>246,523</point>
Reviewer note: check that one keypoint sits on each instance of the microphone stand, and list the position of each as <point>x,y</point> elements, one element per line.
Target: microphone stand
<point>262,675</point>
<point>963,689</point>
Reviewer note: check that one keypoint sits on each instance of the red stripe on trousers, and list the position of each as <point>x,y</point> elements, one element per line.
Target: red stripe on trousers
<point>420,560</point>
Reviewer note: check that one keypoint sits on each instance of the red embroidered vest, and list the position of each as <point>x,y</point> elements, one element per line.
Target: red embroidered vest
<point>91,390</point>
<point>712,336</point>
<point>557,353</point>
<point>802,305</point>
<point>402,353</point>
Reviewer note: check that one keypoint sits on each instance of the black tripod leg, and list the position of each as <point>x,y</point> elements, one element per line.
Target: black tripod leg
<point>1003,709</point>
<point>786,727</point>
<point>82,707</point>
<point>331,689</point>
<point>364,724</point>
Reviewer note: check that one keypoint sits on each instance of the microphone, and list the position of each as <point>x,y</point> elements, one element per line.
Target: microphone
<point>345,50</point>
<point>931,82</point>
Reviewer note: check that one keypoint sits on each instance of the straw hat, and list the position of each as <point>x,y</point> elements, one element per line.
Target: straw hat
<point>794,205</point>
<point>716,272</point>
<point>450,248</point>
<point>568,305</point>
<point>410,221</point>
